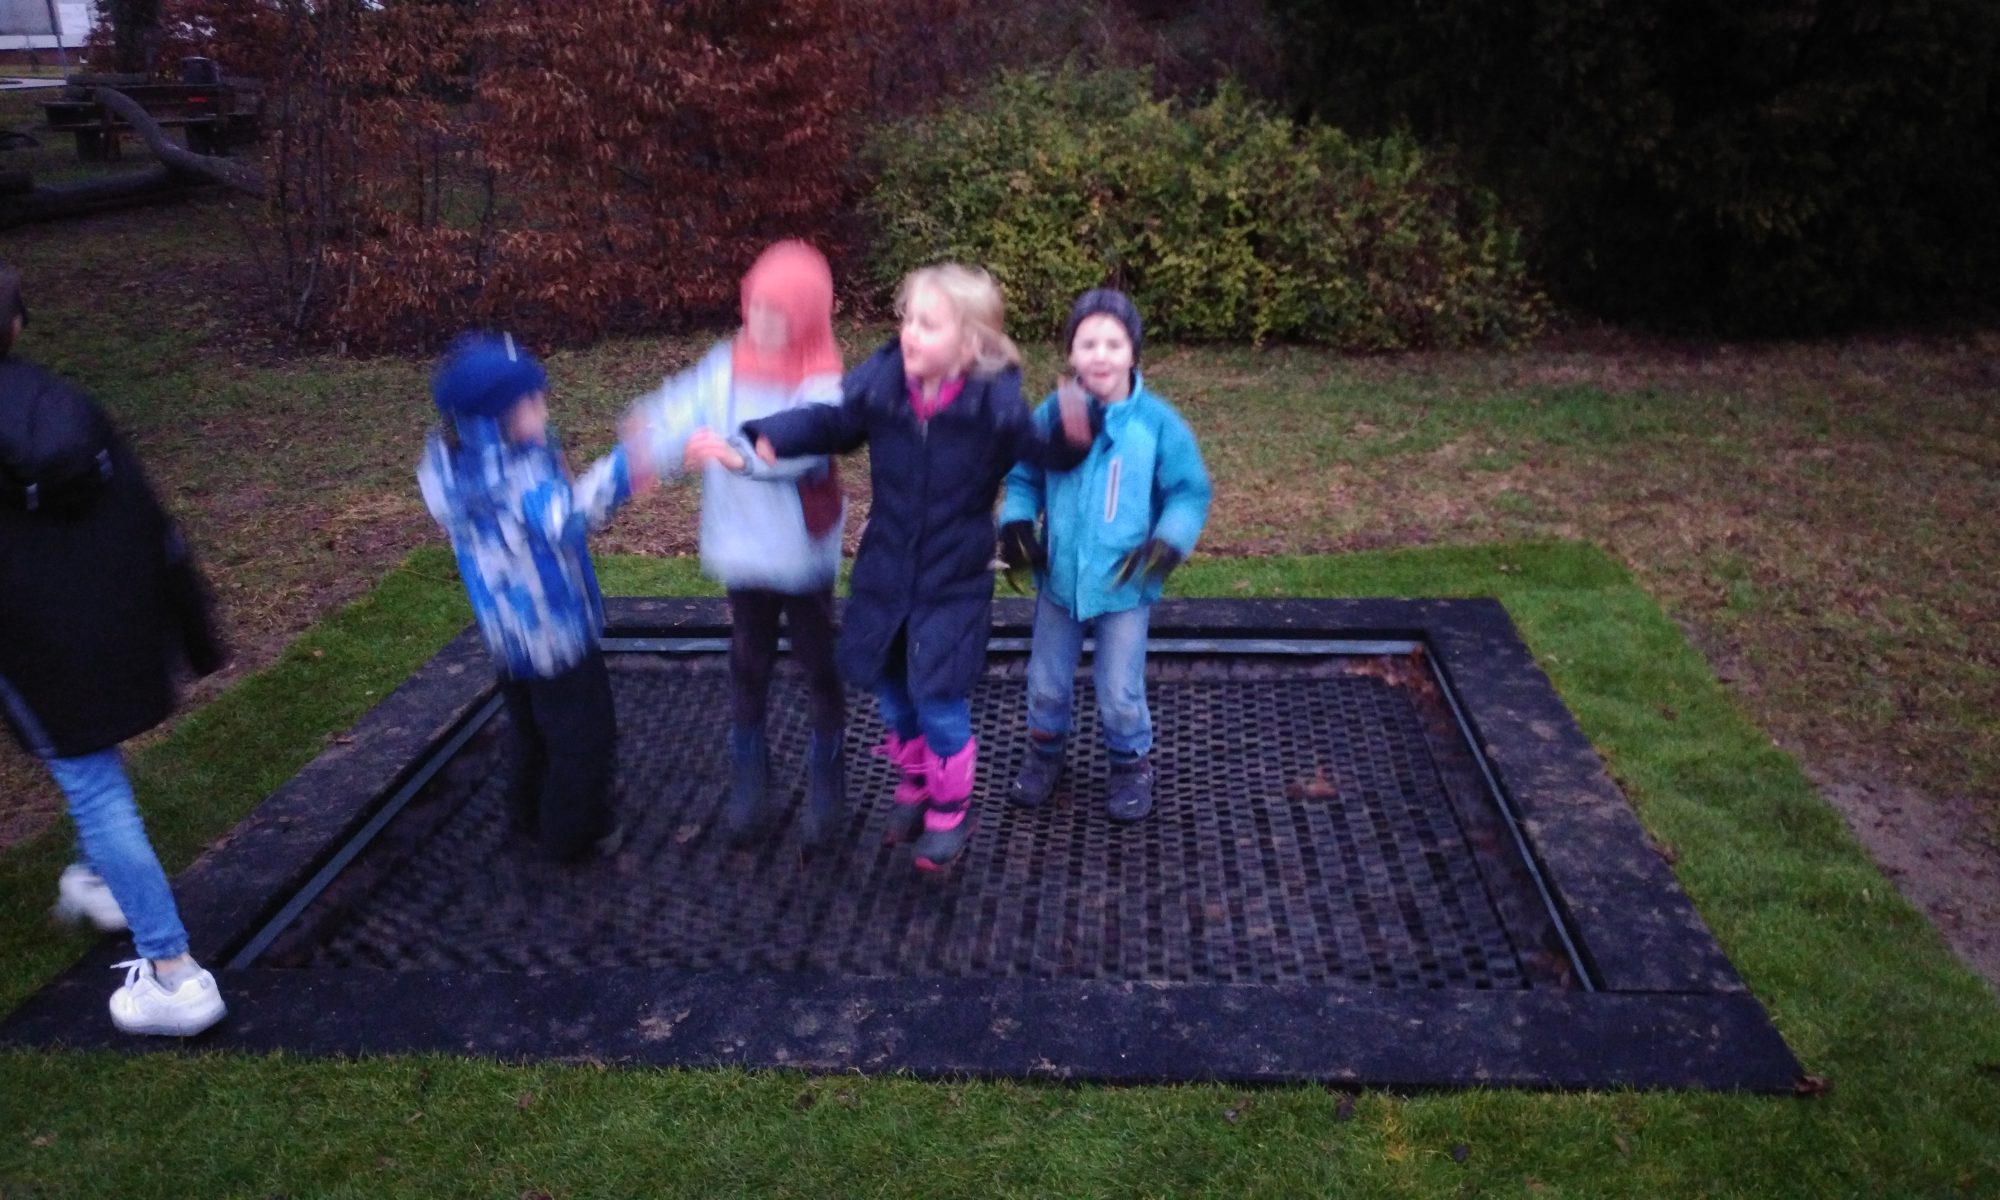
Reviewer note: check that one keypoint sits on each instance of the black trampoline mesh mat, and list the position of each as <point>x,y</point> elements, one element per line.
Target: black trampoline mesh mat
<point>1320,820</point>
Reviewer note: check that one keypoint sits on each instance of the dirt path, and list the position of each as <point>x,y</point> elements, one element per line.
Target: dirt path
<point>1937,853</point>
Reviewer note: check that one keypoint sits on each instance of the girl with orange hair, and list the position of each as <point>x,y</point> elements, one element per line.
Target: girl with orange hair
<point>770,533</point>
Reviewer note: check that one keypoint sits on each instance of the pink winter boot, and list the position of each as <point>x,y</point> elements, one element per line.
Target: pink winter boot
<point>949,821</point>
<point>911,792</point>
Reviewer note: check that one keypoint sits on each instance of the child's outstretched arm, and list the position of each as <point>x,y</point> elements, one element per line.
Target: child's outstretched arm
<point>661,423</point>
<point>814,392</point>
<point>1061,440</point>
<point>1027,481</point>
<point>1020,548</point>
<point>561,509</point>
<point>814,428</point>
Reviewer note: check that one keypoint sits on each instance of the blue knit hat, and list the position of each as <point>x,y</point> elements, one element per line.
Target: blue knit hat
<point>484,375</point>
<point>1109,302</point>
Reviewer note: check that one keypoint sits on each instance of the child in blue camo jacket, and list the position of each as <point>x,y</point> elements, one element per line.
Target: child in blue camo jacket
<point>494,477</point>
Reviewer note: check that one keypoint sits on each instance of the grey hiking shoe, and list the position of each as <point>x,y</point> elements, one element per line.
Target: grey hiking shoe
<point>1131,790</point>
<point>1041,770</point>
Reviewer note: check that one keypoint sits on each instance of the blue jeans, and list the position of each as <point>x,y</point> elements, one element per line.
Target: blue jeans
<point>946,725</point>
<point>113,842</point>
<point>1118,669</point>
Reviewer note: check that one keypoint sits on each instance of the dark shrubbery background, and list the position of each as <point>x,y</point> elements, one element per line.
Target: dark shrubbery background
<point>1776,166</point>
<point>1366,173</point>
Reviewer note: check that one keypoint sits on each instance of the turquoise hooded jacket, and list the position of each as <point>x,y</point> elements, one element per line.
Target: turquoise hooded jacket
<point>1143,478</point>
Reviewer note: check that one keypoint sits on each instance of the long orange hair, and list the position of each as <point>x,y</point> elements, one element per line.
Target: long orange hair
<point>792,277</point>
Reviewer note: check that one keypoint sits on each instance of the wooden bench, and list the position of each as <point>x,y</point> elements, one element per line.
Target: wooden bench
<point>215,116</point>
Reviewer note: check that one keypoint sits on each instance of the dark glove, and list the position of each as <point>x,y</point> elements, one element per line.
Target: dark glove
<point>1021,550</point>
<point>1154,559</point>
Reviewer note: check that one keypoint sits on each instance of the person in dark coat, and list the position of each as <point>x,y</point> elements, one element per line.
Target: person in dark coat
<point>941,411</point>
<point>99,602</point>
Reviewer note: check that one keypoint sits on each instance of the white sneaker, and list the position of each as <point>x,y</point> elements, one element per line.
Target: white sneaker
<point>82,896</point>
<point>143,1005</point>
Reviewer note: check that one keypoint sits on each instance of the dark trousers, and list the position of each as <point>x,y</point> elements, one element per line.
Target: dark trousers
<point>566,746</point>
<point>753,650</point>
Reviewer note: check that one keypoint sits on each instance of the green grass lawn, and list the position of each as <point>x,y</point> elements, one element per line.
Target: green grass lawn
<point>1856,980</point>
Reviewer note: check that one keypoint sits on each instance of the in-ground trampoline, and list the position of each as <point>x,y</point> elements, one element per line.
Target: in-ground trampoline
<point>1383,854</point>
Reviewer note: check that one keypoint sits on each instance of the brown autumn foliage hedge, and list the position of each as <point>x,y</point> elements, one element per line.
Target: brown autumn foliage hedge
<point>562,169</point>
<point>569,168</point>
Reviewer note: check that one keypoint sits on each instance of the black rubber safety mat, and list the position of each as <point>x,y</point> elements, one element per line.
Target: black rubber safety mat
<point>1304,833</point>
<point>1383,854</point>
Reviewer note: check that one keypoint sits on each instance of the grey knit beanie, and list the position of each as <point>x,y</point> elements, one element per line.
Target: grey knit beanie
<point>1108,302</point>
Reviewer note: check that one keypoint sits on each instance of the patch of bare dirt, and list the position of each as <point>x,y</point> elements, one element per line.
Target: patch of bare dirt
<point>1935,850</point>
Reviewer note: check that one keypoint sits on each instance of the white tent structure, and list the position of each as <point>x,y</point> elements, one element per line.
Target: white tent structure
<point>45,24</point>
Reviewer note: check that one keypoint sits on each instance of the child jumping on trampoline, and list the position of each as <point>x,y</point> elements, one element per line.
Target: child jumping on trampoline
<point>941,411</point>
<point>1112,530</point>
<point>494,477</point>
<point>770,533</point>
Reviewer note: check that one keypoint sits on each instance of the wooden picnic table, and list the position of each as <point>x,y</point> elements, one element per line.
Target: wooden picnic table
<point>214,115</point>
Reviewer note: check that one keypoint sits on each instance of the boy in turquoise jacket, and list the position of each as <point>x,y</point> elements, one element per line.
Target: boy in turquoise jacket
<point>1113,527</point>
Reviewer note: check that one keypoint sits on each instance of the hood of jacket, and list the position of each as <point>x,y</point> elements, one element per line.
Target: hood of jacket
<point>55,445</point>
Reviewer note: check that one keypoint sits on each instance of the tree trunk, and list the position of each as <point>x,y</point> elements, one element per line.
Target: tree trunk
<point>52,201</point>
<point>135,34</point>
<point>230,173</point>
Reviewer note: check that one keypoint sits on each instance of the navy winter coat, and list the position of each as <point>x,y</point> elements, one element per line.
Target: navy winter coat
<point>98,598</point>
<point>925,564</point>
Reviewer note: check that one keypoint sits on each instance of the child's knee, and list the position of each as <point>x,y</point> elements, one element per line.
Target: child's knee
<point>1047,696</point>
<point>1123,710</point>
